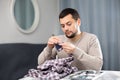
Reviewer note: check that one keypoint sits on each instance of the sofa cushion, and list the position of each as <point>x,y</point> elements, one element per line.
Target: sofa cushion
<point>17,58</point>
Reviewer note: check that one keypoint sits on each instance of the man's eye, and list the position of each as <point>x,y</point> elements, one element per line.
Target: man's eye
<point>69,24</point>
<point>62,26</point>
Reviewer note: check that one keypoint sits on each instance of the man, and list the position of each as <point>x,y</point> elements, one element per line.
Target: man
<point>83,46</point>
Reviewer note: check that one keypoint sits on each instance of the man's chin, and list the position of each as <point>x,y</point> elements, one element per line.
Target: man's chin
<point>70,36</point>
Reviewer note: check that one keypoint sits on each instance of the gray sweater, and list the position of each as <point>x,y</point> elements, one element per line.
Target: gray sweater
<point>87,55</point>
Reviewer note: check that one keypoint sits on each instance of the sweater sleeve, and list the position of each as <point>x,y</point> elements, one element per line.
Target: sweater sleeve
<point>46,54</point>
<point>93,58</point>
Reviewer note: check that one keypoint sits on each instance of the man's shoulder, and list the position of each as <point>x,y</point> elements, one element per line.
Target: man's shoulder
<point>87,34</point>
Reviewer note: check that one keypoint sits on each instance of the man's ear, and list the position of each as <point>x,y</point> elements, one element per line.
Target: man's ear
<point>79,22</point>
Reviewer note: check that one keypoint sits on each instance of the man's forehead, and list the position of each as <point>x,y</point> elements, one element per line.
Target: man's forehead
<point>66,19</point>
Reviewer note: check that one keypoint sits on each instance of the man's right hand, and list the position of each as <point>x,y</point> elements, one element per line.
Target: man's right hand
<point>52,41</point>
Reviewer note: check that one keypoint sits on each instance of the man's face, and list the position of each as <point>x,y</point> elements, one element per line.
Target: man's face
<point>69,26</point>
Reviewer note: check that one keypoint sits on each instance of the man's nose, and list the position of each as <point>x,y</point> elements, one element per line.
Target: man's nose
<point>66,27</point>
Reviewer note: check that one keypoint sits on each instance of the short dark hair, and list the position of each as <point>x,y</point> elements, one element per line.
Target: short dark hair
<point>71,11</point>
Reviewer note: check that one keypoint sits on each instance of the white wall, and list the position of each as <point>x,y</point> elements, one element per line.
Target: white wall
<point>48,23</point>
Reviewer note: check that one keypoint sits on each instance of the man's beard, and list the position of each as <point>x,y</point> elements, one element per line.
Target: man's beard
<point>72,35</point>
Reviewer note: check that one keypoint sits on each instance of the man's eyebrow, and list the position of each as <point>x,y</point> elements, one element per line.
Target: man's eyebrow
<point>68,22</point>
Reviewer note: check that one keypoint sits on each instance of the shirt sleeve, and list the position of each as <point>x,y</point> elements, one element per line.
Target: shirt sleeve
<point>93,58</point>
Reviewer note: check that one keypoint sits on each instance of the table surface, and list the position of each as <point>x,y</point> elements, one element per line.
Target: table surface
<point>93,75</point>
<point>109,75</point>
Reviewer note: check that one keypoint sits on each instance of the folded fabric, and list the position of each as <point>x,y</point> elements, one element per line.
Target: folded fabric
<point>53,69</point>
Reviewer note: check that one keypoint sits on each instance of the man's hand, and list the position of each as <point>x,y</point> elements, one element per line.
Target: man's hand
<point>68,47</point>
<point>52,41</point>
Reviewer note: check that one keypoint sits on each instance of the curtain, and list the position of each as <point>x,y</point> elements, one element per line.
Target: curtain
<point>24,13</point>
<point>101,17</point>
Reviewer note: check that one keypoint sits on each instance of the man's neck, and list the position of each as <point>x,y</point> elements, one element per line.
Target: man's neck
<point>77,37</point>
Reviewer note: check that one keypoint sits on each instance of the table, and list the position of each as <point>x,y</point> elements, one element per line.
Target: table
<point>93,75</point>
<point>109,75</point>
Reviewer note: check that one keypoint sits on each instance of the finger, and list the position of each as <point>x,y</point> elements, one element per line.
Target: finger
<point>55,39</point>
<point>67,51</point>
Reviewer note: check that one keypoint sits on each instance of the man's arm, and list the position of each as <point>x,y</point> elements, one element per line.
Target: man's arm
<point>93,59</point>
<point>49,51</point>
<point>46,54</point>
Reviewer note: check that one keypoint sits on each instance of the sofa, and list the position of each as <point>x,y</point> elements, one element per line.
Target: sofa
<point>17,58</point>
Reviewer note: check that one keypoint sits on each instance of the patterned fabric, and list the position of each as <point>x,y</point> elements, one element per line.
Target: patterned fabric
<point>53,69</point>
